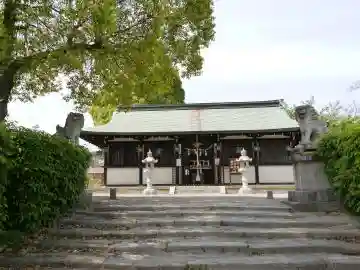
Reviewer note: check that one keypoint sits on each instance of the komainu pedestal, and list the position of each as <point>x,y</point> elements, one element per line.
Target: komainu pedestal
<point>313,191</point>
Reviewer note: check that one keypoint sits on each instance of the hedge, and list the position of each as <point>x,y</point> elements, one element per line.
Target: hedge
<point>340,151</point>
<point>45,177</point>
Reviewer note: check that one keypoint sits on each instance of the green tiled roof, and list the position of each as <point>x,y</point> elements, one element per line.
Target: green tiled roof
<point>201,117</point>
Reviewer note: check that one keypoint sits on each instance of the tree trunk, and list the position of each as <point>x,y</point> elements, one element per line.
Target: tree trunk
<point>3,110</point>
<point>8,69</point>
<point>7,82</point>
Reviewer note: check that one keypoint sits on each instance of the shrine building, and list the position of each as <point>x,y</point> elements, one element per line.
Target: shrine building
<point>197,144</point>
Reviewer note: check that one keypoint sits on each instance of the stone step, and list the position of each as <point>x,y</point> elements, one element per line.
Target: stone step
<point>202,261</point>
<point>204,244</point>
<point>163,260</point>
<point>192,212</point>
<point>52,260</point>
<point>213,199</point>
<point>180,207</point>
<point>339,233</point>
<point>190,198</point>
<point>200,221</point>
<point>197,189</point>
<point>59,268</point>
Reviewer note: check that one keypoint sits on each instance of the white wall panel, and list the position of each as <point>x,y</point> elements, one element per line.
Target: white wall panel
<point>160,176</point>
<point>122,176</point>
<point>276,174</point>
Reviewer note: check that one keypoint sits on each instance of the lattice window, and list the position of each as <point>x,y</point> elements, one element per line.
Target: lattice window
<point>123,155</point>
<point>274,152</point>
<point>162,151</point>
<point>231,149</point>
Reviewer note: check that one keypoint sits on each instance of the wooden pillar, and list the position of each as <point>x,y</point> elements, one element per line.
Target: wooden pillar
<point>178,166</point>
<point>106,152</point>
<point>217,153</point>
<point>256,150</point>
<point>140,151</point>
<point>222,162</point>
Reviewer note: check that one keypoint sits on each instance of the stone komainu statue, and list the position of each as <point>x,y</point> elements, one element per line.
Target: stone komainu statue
<point>73,125</point>
<point>310,125</point>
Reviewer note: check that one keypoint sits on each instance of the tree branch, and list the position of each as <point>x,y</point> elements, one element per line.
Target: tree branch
<point>9,22</point>
<point>67,48</point>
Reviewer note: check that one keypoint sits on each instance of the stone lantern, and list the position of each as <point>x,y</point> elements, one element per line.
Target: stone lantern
<point>244,164</point>
<point>149,162</point>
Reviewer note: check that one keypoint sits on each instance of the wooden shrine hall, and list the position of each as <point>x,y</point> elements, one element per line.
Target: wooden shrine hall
<point>197,144</point>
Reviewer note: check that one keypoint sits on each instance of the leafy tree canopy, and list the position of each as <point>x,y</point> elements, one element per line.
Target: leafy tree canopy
<point>106,52</point>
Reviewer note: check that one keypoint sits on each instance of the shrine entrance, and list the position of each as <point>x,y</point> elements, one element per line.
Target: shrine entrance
<point>198,164</point>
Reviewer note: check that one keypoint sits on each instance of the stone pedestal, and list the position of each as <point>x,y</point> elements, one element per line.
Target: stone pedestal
<point>149,190</point>
<point>245,188</point>
<point>313,191</point>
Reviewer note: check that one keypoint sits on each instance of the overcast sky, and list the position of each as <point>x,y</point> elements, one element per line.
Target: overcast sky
<point>264,49</point>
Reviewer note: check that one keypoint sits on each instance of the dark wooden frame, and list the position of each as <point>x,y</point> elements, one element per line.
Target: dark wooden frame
<point>227,149</point>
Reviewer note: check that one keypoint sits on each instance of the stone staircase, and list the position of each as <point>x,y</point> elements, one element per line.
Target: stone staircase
<point>214,232</point>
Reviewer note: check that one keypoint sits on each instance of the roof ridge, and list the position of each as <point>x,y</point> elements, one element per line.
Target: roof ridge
<point>205,105</point>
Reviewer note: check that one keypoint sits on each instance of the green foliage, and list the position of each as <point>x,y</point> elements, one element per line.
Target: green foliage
<point>340,151</point>
<point>46,177</point>
<point>103,113</point>
<point>112,52</point>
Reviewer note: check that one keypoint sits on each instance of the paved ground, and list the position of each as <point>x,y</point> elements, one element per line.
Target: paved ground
<point>195,232</point>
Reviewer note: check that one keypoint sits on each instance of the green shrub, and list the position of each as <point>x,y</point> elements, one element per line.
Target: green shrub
<point>340,151</point>
<point>45,180</point>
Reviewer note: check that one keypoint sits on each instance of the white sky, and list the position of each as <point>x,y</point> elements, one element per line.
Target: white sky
<point>264,49</point>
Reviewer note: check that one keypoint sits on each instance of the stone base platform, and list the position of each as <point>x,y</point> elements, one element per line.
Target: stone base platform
<point>309,196</point>
<point>313,200</point>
